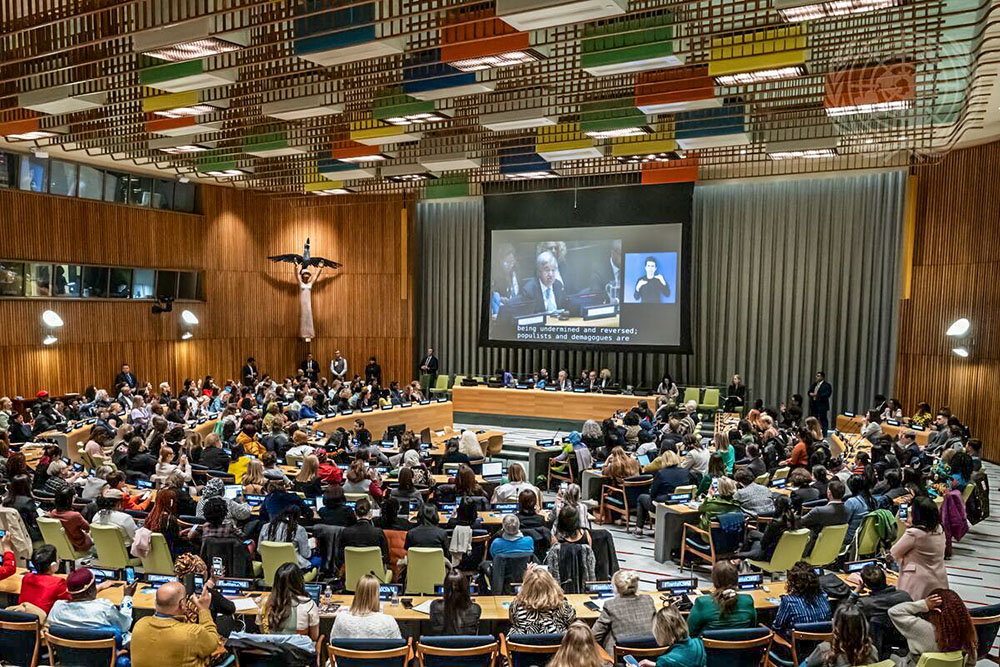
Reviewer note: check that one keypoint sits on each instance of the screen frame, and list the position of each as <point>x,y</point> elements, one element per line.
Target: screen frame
<point>666,204</point>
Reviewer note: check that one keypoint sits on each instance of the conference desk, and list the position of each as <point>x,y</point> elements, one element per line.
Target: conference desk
<point>494,608</point>
<point>849,424</point>
<point>434,416</point>
<point>563,405</point>
<point>76,438</point>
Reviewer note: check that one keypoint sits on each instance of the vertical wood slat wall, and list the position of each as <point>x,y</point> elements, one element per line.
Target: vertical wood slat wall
<point>956,273</point>
<point>251,305</point>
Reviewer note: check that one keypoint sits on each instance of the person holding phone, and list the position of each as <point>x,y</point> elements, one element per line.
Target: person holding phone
<point>670,629</point>
<point>9,566</point>
<point>84,610</point>
<point>167,638</point>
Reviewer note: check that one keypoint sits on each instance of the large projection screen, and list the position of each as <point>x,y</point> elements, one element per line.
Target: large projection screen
<point>602,268</point>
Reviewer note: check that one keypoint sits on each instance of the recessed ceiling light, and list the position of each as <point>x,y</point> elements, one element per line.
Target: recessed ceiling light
<point>226,172</point>
<point>180,150</point>
<point>619,132</point>
<point>746,78</point>
<point>197,48</point>
<point>507,59</point>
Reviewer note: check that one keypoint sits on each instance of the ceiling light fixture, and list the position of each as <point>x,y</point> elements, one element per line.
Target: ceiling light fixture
<point>226,172</point>
<point>650,157</point>
<point>181,150</point>
<point>632,44</point>
<point>198,48</point>
<point>298,108</point>
<point>32,136</point>
<point>811,153</point>
<point>410,172</point>
<point>518,166</point>
<point>523,119</point>
<point>874,107</point>
<point>747,78</point>
<point>508,59</point>
<point>184,112</point>
<point>959,327</point>
<point>183,179</point>
<point>537,14</point>
<point>769,54</point>
<point>794,11</point>
<point>635,131</point>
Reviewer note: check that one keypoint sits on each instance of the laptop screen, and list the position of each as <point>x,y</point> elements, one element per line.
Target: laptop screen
<point>858,565</point>
<point>493,469</point>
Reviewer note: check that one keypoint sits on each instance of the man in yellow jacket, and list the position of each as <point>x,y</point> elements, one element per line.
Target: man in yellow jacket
<point>167,639</point>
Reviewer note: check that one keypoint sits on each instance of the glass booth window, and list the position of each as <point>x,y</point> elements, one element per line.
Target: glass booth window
<point>66,280</point>
<point>142,283</point>
<point>11,279</point>
<point>62,178</point>
<point>95,282</point>
<point>33,174</point>
<point>116,186</point>
<point>38,280</point>
<point>166,284</point>
<point>91,183</point>
<point>187,285</point>
<point>121,283</point>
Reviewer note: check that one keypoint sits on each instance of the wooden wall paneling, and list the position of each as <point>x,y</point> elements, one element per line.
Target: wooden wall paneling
<point>956,265</point>
<point>250,307</point>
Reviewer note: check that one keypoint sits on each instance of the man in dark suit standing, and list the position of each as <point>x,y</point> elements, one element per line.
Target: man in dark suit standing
<point>249,373</point>
<point>125,377</point>
<point>310,368</point>
<point>373,372</point>
<point>544,292</point>
<point>430,364</point>
<point>819,399</point>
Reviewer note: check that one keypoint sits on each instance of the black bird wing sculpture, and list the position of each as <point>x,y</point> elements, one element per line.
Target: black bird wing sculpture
<point>305,260</point>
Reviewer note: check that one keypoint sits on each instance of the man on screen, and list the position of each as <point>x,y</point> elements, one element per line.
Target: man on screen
<point>544,291</point>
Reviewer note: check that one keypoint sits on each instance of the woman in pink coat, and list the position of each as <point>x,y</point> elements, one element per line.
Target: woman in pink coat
<point>920,551</point>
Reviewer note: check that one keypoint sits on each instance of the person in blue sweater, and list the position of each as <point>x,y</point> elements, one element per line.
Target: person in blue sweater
<point>670,629</point>
<point>511,541</point>
<point>666,479</point>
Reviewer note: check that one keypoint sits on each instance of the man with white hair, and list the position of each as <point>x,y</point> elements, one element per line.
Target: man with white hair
<point>512,541</point>
<point>544,291</point>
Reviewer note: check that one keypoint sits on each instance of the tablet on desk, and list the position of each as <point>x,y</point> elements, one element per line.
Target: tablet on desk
<point>643,460</point>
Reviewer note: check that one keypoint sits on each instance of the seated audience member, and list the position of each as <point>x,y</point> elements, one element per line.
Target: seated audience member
<point>271,469</point>
<point>85,610</point>
<point>466,514</point>
<point>335,512</point>
<point>761,545</point>
<point>253,478</point>
<point>77,528</point>
<point>138,460</point>
<point>859,504</point>
<point>364,619</point>
<point>800,487</point>
<point>724,608</point>
<point>221,608</point>
<point>619,466</point>
<point>920,551</point>
<point>665,480</point>
<point>9,566</point>
<point>363,533</point>
<point>93,485</point>
<point>754,461</point>
<point>167,638</point>
<point>217,524</point>
<point>166,465</point>
<point>511,540</point>
<point>428,533</point>
<point>851,645</point>
<point>578,648</point>
<point>362,479</point>
<point>213,456</point>
<point>288,609</point>
<point>42,588</point>
<point>454,613</point>
<point>625,615</point>
<point>279,498</point>
<point>391,519</point>
<point>406,492</point>
<point>875,606</point>
<point>720,501</point>
<point>697,457</point>
<point>307,482</point>
<point>467,486</point>
<point>832,514</point>
<point>237,510</point>
<point>753,498</point>
<point>61,476</point>
<point>803,602</point>
<point>109,513</point>
<point>670,629</point>
<point>570,496</point>
<point>516,483</point>
<point>527,510</point>
<point>19,498</point>
<point>452,453</point>
<point>540,607</point>
<point>938,623</point>
<point>570,537</point>
<point>285,528</point>
<point>186,505</point>
<point>468,444</point>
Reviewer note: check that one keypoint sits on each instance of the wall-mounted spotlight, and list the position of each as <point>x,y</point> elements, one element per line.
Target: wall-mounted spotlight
<point>960,351</point>
<point>959,327</point>
<point>187,335</point>
<point>51,320</point>
<point>189,318</point>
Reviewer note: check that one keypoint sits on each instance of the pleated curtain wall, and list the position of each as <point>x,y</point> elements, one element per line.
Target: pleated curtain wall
<point>789,277</point>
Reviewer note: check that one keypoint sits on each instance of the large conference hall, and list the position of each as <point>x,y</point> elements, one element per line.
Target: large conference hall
<point>499,333</point>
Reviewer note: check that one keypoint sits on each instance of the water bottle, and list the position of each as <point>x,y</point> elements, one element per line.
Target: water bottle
<point>394,599</point>
<point>327,599</point>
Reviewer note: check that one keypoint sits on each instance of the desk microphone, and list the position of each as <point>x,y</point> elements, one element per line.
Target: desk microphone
<point>372,572</point>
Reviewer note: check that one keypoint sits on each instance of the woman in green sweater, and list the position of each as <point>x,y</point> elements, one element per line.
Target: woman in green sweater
<point>670,630</point>
<point>724,608</point>
<point>720,501</point>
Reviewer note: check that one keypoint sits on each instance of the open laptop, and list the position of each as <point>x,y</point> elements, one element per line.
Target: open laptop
<point>425,436</point>
<point>493,470</point>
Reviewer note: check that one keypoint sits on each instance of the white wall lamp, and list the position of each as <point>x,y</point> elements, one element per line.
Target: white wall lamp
<point>51,320</point>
